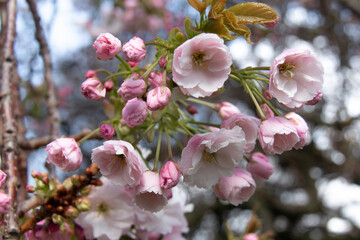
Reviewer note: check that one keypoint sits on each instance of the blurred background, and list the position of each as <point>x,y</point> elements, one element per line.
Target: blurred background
<point>314,193</point>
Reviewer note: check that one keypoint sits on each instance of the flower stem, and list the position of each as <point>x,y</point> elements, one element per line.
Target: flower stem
<point>144,133</point>
<point>157,44</point>
<point>210,105</point>
<point>185,129</point>
<point>205,124</point>
<point>103,70</point>
<point>168,143</point>
<point>257,68</point>
<point>257,92</point>
<point>117,74</point>
<point>88,136</point>
<point>124,63</point>
<point>157,154</point>
<point>144,76</point>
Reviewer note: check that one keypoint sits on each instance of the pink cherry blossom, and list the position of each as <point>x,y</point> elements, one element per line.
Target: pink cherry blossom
<point>106,46</point>
<point>134,50</point>
<point>149,195</point>
<point>250,126</point>
<point>91,73</point>
<point>158,98</point>
<point>237,188</point>
<point>45,230</point>
<point>295,78</point>
<point>119,162</point>
<point>316,99</point>
<point>65,154</point>
<point>209,156</point>
<point>134,112</point>
<point>169,175</point>
<point>111,214</point>
<point>277,135</point>
<point>201,65</point>
<point>109,85</point>
<point>107,131</point>
<point>259,166</point>
<point>155,79</point>
<point>92,88</point>
<point>301,128</point>
<point>132,87</point>
<point>2,178</point>
<point>251,236</point>
<point>5,202</point>
<point>227,109</point>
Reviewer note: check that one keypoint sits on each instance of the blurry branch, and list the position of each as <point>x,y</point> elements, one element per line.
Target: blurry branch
<point>52,104</point>
<point>35,143</point>
<point>9,148</point>
<point>353,5</point>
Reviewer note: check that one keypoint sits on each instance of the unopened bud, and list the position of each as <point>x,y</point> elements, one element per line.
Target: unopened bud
<point>191,109</point>
<point>58,219</point>
<point>30,189</point>
<point>68,184</point>
<point>71,212</point>
<point>163,62</point>
<point>92,170</point>
<point>75,179</point>
<point>96,182</point>
<point>85,190</point>
<point>266,94</point>
<point>60,209</point>
<point>107,131</point>
<point>91,73</point>
<point>35,174</point>
<point>83,204</point>
<point>108,85</point>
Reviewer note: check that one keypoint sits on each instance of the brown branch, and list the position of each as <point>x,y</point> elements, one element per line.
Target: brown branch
<point>9,146</point>
<point>35,143</point>
<point>52,103</point>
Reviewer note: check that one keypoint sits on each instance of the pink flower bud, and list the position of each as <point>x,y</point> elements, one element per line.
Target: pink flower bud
<point>2,178</point>
<point>301,128</point>
<point>272,24</point>
<point>108,85</point>
<point>132,87</point>
<point>155,79</point>
<point>251,236</point>
<point>92,88</point>
<point>316,99</point>
<point>169,194</point>
<point>107,131</point>
<point>236,189</point>
<point>65,154</point>
<point>30,189</point>
<point>5,202</point>
<point>91,74</point>
<point>169,175</point>
<point>266,94</point>
<point>259,166</point>
<point>191,109</point>
<point>134,50</point>
<point>163,62</point>
<point>149,195</point>
<point>158,98</point>
<point>227,109</point>
<point>106,46</point>
<point>277,135</point>
<point>133,64</point>
<point>134,112</point>
<point>267,111</point>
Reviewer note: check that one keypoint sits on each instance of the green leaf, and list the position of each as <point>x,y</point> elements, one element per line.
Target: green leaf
<point>191,31</point>
<point>250,13</point>
<point>231,22</point>
<point>172,34</point>
<point>216,9</point>
<point>217,26</point>
<point>199,6</point>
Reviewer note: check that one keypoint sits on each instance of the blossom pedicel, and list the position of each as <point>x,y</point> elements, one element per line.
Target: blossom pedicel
<point>65,154</point>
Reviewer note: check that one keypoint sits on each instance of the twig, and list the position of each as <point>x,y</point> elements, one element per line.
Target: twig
<point>9,146</point>
<point>52,103</point>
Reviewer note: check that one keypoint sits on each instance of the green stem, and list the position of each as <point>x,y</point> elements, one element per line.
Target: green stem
<point>88,136</point>
<point>181,112</point>
<point>117,74</point>
<point>124,63</point>
<point>210,105</point>
<point>156,44</point>
<point>144,76</point>
<point>168,143</point>
<point>146,162</point>
<point>205,124</point>
<point>144,133</point>
<point>185,129</point>
<point>157,154</point>
<point>257,68</point>
<point>257,92</point>
<point>103,70</point>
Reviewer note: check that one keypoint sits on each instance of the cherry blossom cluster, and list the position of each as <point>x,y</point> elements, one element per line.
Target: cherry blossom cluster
<point>139,196</point>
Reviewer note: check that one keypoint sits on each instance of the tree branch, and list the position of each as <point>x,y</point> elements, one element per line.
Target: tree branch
<point>9,146</point>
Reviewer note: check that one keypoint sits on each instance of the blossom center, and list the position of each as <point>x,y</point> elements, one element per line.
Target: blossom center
<point>198,58</point>
<point>287,69</point>
<point>102,207</point>
<point>209,157</point>
<point>120,158</point>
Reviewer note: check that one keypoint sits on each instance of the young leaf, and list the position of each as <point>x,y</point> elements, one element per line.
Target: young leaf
<point>199,6</point>
<point>250,12</point>
<point>191,31</point>
<point>216,9</point>
<point>217,26</point>
<point>231,22</point>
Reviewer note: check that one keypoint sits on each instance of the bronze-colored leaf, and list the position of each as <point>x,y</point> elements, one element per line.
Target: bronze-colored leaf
<point>217,26</point>
<point>250,13</point>
<point>191,31</point>
<point>216,9</point>
<point>199,6</point>
<point>231,22</point>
